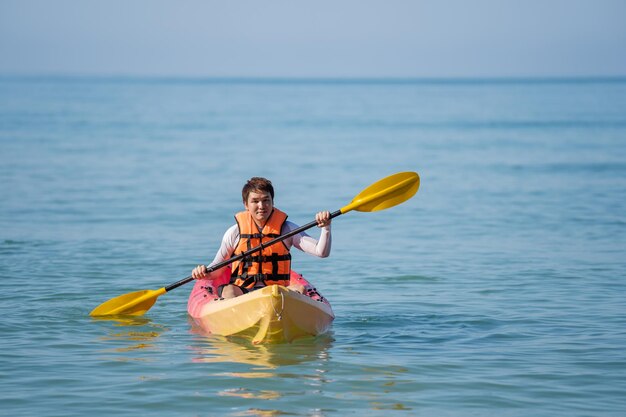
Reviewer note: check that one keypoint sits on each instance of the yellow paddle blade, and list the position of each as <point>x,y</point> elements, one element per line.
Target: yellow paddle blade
<point>388,192</point>
<point>131,304</point>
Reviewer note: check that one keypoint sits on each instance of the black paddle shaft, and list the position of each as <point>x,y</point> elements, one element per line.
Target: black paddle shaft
<point>251,251</point>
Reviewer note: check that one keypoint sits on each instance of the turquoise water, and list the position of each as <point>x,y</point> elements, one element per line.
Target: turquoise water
<point>498,290</point>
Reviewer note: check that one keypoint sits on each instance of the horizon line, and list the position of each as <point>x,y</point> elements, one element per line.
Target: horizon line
<point>277,79</point>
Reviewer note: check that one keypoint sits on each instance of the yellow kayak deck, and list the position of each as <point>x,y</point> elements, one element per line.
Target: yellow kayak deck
<point>273,314</point>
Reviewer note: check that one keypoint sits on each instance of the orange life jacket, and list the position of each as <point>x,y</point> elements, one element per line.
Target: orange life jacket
<point>272,265</point>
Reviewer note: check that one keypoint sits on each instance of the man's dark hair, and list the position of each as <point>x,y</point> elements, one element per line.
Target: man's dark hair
<point>257,184</point>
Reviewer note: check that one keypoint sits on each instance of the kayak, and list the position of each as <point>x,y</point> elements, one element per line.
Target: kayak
<point>273,314</point>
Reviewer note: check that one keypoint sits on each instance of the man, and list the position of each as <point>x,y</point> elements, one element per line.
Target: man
<point>260,223</point>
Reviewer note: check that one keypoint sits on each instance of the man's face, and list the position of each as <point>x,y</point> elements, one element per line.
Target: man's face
<point>260,206</point>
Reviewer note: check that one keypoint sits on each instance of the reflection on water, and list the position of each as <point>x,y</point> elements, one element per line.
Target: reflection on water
<point>137,334</point>
<point>246,393</point>
<point>124,320</point>
<point>218,349</point>
<point>265,413</point>
<point>278,365</point>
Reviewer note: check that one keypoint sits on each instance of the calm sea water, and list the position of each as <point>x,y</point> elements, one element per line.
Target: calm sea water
<point>498,290</point>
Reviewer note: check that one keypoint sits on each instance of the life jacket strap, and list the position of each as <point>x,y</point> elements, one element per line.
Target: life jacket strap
<point>271,258</point>
<point>258,235</point>
<point>262,279</point>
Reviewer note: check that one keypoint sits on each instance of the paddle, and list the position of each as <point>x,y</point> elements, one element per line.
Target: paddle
<point>381,195</point>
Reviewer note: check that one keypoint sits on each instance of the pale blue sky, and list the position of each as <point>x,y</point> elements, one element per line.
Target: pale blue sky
<point>321,38</point>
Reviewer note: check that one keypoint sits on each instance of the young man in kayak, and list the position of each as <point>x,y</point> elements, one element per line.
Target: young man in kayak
<point>261,222</point>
